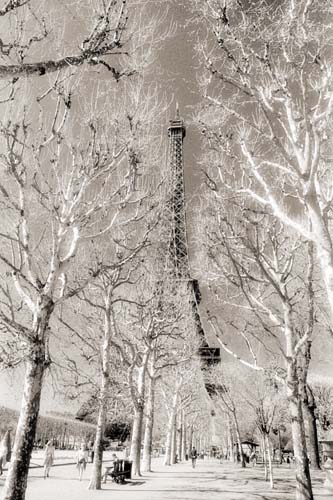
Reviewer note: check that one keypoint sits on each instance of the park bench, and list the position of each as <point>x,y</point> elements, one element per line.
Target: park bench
<point>121,470</point>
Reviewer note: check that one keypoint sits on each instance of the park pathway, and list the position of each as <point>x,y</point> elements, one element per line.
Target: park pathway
<point>210,480</point>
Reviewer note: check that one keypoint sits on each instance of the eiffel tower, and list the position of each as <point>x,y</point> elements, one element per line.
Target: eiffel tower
<point>178,258</point>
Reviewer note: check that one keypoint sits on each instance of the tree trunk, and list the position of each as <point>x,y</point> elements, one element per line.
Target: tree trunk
<point>183,446</point>
<point>136,440</point>
<point>139,405</point>
<point>190,440</point>
<point>96,478</point>
<point>323,242</point>
<point>174,441</point>
<point>269,459</point>
<point>311,437</point>
<point>148,438</point>
<point>303,479</point>
<point>309,403</point>
<point>168,443</point>
<point>264,457</point>
<point>280,446</point>
<point>16,481</point>
<point>310,422</point>
<point>230,442</point>
<point>172,417</point>
<point>239,442</point>
<point>180,437</point>
<point>197,442</point>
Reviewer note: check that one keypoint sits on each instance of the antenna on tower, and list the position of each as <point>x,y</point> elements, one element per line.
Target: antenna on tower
<point>177,111</point>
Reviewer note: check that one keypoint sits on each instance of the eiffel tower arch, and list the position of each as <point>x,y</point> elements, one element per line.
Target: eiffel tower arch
<point>178,256</point>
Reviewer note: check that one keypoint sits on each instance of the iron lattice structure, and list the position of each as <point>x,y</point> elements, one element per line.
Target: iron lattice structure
<point>177,251</point>
<point>177,257</point>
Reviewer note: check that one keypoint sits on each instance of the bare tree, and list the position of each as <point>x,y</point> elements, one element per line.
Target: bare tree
<point>96,373</point>
<point>114,288</point>
<point>225,397</point>
<point>172,386</point>
<point>166,353</point>
<point>323,393</point>
<point>80,184</point>
<point>149,415</point>
<point>259,261</point>
<point>157,344</point>
<point>265,398</point>
<point>48,37</point>
<point>268,111</point>
<point>183,389</point>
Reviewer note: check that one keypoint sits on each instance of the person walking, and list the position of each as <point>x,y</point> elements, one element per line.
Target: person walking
<point>48,458</point>
<point>82,460</point>
<point>194,456</point>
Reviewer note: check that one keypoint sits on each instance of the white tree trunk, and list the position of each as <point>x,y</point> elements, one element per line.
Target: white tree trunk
<point>168,443</point>
<point>139,405</point>
<point>310,422</point>
<point>184,437</point>
<point>303,479</point>
<point>323,243</point>
<point>239,441</point>
<point>174,442</point>
<point>269,460</point>
<point>96,478</point>
<point>190,440</point>
<point>179,436</point>
<point>171,424</point>
<point>16,481</point>
<point>230,442</point>
<point>264,456</point>
<point>136,440</point>
<point>148,437</point>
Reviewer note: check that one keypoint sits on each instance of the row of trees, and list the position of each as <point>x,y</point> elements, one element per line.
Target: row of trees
<point>81,152</point>
<point>138,340</point>
<point>266,119</point>
<point>254,409</point>
<point>65,431</point>
<point>83,200</point>
<point>84,294</point>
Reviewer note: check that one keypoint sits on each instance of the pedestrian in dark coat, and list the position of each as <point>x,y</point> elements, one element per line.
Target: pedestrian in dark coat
<point>194,456</point>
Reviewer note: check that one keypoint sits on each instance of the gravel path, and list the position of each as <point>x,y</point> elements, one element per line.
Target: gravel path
<point>209,480</point>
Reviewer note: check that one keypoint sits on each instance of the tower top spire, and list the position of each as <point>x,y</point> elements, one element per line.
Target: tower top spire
<point>177,125</point>
<point>177,111</point>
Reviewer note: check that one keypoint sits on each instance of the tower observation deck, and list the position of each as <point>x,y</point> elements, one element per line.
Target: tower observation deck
<point>178,255</point>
